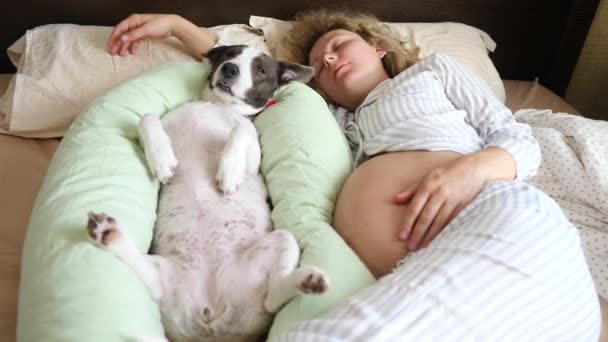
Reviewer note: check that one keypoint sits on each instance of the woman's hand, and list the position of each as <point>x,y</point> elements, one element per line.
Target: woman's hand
<point>129,33</point>
<point>444,192</point>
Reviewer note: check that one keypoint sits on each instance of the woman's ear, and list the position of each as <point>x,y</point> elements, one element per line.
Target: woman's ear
<point>380,51</point>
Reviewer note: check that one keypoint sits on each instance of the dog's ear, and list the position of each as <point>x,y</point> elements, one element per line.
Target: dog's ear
<point>294,72</point>
<point>214,54</point>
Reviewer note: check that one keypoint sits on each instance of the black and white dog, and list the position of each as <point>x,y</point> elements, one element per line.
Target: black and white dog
<point>218,269</point>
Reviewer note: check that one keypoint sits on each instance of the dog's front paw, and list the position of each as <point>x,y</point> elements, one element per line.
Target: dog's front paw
<point>157,147</point>
<point>103,228</point>
<point>230,172</point>
<point>311,280</point>
<point>163,164</point>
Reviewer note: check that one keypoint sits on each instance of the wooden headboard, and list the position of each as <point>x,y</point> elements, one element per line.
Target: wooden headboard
<point>536,38</point>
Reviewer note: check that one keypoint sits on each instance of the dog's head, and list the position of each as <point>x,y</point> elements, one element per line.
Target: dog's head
<point>242,75</point>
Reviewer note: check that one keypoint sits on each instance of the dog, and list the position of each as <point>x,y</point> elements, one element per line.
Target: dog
<point>217,268</point>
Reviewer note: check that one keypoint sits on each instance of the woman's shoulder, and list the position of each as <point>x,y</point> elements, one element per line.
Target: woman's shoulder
<point>427,63</point>
<point>419,76</point>
<point>436,59</point>
<point>436,62</point>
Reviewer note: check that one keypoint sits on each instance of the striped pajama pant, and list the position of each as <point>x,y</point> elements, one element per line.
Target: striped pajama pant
<point>509,267</point>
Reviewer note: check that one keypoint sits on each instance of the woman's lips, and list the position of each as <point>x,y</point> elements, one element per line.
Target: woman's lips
<point>339,68</point>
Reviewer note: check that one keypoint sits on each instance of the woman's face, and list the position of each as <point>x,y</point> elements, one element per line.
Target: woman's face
<point>347,67</point>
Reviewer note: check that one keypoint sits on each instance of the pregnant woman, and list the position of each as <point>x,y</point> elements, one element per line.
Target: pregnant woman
<point>437,207</point>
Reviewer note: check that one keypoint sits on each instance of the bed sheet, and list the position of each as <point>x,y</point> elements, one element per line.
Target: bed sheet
<point>23,164</point>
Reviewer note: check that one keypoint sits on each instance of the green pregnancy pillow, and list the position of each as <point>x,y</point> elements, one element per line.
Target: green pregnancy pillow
<point>305,160</point>
<point>72,290</point>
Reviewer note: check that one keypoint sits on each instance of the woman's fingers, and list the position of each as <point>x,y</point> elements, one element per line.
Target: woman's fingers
<point>135,34</point>
<point>442,218</point>
<point>457,210</point>
<point>126,32</point>
<point>412,211</point>
<point>424,220</point>
<point>114,43</point>
<point>131,40</point>
<point>134,46</point>
<point>403,197</point>
<point>117,48</point>
<point>406,195</point>
<point>124,48</point>
<point>114,40</point>
<point>113,47</point>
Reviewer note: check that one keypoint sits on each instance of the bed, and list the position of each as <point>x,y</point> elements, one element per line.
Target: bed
<point>535,58</point>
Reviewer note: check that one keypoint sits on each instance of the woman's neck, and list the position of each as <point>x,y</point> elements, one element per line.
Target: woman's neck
<point>356,97</point>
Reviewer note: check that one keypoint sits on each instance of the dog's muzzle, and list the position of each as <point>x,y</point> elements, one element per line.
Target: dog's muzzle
<point>223,86</point>
<point>230,70</point>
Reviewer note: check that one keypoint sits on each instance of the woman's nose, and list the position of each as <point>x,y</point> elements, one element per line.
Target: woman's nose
<point>330,57</point>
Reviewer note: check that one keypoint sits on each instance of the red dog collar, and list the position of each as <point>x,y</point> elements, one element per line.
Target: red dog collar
<point>269,103</point>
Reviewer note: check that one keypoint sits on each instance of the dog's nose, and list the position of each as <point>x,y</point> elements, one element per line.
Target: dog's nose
<point>230,70</point>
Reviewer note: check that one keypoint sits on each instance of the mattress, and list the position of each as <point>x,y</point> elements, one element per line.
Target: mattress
<point>25,161</point>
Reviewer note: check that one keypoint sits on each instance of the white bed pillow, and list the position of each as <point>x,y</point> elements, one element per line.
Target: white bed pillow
<point>467,44</point>
<point>62,67</point>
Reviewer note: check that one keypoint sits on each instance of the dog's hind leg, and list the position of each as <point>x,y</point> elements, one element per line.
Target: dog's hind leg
<point>106,231</point>
<point>286,279</point>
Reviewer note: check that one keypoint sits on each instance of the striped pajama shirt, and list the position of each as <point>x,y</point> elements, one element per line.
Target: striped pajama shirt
<point>508,267</point>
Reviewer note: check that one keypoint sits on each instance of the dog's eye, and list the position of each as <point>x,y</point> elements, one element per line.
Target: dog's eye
<point>261,70</point>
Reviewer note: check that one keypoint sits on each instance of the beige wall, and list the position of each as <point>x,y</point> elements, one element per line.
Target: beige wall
<point>588,88</point>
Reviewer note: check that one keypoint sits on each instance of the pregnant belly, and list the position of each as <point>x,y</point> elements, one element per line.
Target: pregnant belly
<point>365,215</point>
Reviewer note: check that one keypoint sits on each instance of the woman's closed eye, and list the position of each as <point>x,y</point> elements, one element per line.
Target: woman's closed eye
<point>319,68</point>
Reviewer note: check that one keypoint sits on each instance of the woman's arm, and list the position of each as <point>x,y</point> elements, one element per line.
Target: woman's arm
<point>494,163</point>
<point>492,120</point>
<point>510,152</point>
<point>198,40</point>
<point>440,195</point>
<point>128,34</point>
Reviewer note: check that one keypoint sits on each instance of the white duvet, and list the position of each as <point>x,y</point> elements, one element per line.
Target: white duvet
<point>574,172</point>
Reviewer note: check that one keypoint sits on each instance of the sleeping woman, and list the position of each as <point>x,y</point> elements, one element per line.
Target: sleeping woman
<point>437,207</point>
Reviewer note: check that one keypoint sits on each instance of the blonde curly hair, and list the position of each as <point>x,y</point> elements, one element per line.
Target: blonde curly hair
<point>309,26</point>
